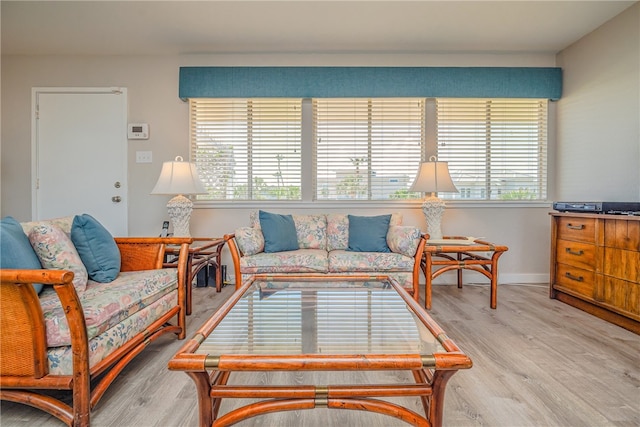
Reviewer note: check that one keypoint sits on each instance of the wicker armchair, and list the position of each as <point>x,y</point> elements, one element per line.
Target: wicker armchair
<point>24,369</point>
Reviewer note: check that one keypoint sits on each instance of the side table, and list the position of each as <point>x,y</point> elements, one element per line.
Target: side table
<point>203,252</point>
<point>461,254</point>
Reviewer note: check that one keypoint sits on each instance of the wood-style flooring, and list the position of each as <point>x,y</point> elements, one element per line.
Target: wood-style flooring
<point>537,362</point>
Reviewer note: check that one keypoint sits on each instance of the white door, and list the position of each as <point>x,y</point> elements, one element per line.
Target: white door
<point>80,154</point>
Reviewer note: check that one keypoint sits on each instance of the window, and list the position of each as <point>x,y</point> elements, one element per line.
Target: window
<point>247,149</point>
<point>496,148</point>
<point>366,149</point>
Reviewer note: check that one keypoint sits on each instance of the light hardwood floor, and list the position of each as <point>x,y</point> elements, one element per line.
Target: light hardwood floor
<point>537,362</point>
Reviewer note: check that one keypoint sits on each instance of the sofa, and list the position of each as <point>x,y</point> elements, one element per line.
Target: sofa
<point>339,244</point>
<point>76,306</point>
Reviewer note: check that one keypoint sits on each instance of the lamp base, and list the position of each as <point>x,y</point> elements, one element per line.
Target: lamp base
<point>433,209</point>
<point>180,209</point>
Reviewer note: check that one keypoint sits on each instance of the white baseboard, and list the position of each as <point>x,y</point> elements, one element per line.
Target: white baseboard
<point>503,278</point>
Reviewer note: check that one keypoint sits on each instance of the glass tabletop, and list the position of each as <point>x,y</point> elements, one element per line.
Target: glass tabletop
<point>339,317</point>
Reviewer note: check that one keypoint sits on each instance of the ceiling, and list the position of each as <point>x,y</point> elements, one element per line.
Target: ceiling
<point>297,26</point>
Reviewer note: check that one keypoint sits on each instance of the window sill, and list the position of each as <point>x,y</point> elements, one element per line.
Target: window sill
<point>413,204</point>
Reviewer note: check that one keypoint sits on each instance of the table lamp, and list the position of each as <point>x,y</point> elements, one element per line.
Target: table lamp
<point>433,177</point>
<point>179,177</point>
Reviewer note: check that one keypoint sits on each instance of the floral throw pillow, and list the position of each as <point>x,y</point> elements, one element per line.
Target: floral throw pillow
<point>64,223</point>
<point>403,239</point>
<point>250,240</point>
<point>311,231</point>
<point>56,251</point>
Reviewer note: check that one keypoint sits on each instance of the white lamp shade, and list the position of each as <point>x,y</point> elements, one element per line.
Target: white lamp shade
<point>179,177</point>
<point>433,177</point>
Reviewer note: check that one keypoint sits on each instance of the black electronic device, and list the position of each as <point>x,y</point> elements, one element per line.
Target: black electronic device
<point>611,208</point>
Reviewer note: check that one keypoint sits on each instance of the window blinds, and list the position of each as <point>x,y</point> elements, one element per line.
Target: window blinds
<point>366,149</point>
<point>247,149</point>
<point>496,148</point>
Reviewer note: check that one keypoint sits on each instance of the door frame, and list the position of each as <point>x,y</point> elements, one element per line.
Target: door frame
<point>35,161</point>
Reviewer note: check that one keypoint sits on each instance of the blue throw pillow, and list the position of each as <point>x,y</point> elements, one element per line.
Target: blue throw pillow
<point>368,233</point>
<point>279,232</point>
<point>97,249</point>
<point>15,250</point>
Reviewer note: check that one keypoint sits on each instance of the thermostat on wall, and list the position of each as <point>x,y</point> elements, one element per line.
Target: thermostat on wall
<point>138,131</point>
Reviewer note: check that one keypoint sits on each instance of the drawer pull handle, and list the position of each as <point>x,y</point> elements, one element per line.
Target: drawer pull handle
<point>575,227</point>
<point>576,253</point>
<point>572,277</point>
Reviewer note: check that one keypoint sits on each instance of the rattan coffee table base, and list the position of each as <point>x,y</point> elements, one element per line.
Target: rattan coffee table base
<point>276,324</point>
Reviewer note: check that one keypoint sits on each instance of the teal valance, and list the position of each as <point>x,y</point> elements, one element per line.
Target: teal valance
<point>374,82</point>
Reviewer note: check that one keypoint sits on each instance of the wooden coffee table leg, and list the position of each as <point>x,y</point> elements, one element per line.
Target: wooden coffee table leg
<point>205,405</point>
<point>440,379</point>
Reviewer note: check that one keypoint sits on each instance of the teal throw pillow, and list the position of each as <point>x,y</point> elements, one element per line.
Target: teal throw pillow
<point>15,250</point>
<point>279,232</point>
<point>97,248</point>
<point>368,233</point>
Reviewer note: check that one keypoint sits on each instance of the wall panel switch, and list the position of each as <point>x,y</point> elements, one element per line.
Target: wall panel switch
<point>144,157</point>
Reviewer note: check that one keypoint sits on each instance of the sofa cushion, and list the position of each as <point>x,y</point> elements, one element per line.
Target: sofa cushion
<point>347,261</point>
<point>311,231</point>
<point>56,251</point>
<point>96,247</point>
<point>299,261</point>
<point>250,240</point>
<point>368,233</point>
<point>403,239</point>
<point>60,358</point>
<point>15,250</point>
<point>106,305</point>
<point>279,232</point>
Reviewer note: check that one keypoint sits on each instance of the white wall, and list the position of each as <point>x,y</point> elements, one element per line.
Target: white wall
<point>598,151</point>
<point>152,84</point>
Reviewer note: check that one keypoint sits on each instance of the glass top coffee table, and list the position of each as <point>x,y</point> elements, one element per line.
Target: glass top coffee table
<point>320,323</point>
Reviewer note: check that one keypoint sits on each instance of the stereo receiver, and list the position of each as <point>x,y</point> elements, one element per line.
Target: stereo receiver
<point>615,208</point>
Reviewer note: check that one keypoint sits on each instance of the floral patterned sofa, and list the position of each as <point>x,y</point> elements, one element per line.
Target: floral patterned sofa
<point>77,305</point>
<point>324,247</point>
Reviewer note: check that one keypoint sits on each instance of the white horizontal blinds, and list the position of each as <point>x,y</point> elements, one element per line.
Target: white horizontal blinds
<point>248,149</point>
<point>496,148</point>
<point>366,149</point>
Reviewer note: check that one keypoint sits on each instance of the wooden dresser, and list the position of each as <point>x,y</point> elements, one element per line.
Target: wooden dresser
<point>595,265</point>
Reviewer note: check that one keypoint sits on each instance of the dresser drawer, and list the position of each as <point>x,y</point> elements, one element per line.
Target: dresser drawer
<point>621,264</point>
<point>576,254</point>
<point>622,296</point>
<point>577,229</point>
<point>622,234</point>
<point>577,280</point>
